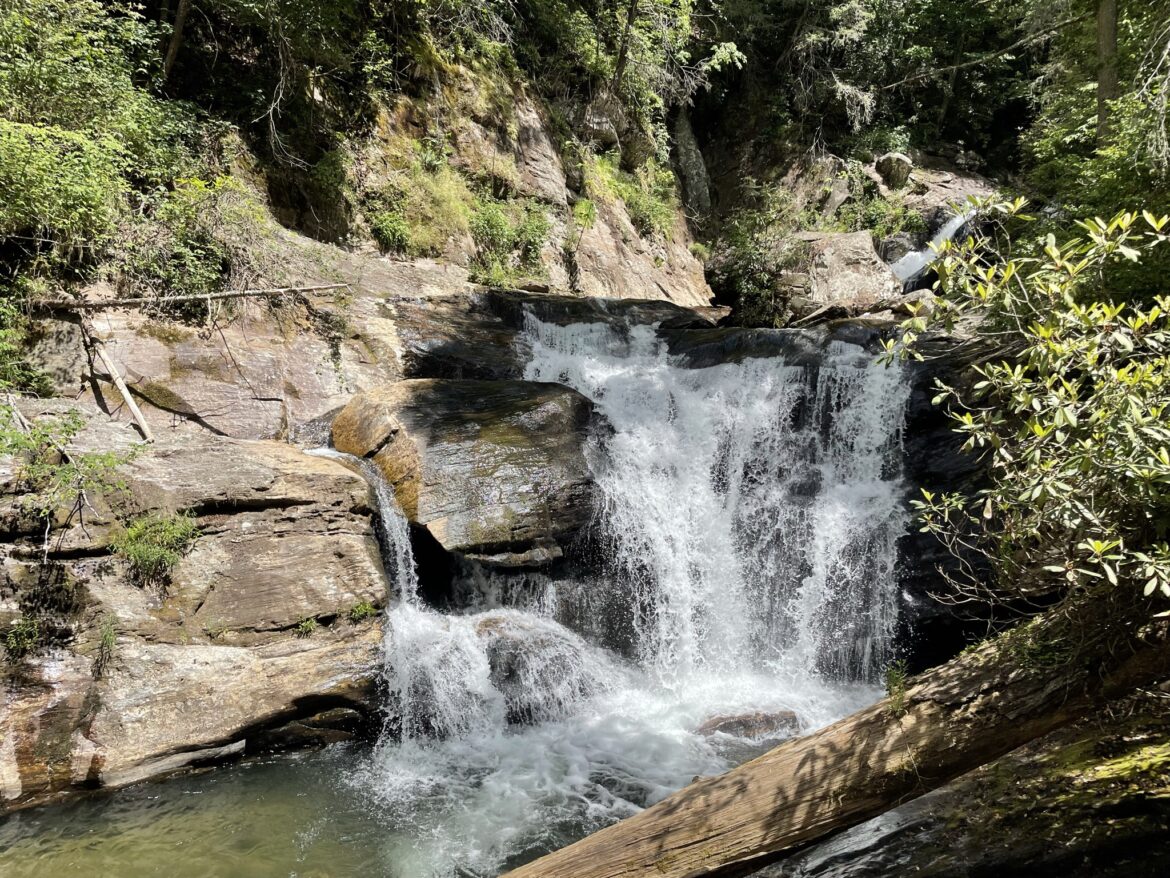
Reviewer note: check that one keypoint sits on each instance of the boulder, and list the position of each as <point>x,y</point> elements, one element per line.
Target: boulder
<point>540,667</point>
<point>492,469</point>
<point>780,723</point>
<point>845,271</point>
<point>895,168</point>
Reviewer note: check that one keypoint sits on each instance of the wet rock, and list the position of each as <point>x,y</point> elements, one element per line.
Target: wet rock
<point>752,725</point>
<point>692,169</point>
<point>489,468</point>
<point>541,668</point>
<point>895,169</point>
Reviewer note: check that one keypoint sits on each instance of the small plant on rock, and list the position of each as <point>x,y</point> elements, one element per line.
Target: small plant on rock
<point>153,545</point>
<point>896,687</point>
<point>307,627</point>
<point>107,641</point>
<point>391,231</point>
<point>23,637</point>
<point>361,611</point>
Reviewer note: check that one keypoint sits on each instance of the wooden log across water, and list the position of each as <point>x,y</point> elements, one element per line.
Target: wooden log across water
<point>955,718</point>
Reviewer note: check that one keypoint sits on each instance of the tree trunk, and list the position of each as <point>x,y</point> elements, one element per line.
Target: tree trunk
<point>957,717</point>
<point>619,69</point>
<point>176,38</point>
<point>1108,83</point>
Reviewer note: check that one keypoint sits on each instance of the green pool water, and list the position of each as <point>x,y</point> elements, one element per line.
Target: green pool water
<point>293,815</point>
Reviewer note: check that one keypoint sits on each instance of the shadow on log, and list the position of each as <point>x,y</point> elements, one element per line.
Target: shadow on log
<point>976,708</point>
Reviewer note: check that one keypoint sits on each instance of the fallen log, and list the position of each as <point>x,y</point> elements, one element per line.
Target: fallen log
<point>101,304</point>
<point>99,348</point>
<point>957,717</point>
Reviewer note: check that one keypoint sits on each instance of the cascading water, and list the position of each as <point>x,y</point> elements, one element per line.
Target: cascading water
<point>914,264</point>
<point>749,518</point>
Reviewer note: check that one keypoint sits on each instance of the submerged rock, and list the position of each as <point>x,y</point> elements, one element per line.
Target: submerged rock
<point>492,469</point>
<point>780,723</point>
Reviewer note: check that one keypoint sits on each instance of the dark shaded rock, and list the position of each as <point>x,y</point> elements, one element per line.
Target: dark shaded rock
<point>1085,802</point>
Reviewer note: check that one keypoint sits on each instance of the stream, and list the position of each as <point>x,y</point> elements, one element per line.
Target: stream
<point>743,565</point>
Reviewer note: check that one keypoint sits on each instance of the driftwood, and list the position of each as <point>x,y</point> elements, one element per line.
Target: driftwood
<point>116,376</point>
<point>964,714</point>
<point>101,304</point>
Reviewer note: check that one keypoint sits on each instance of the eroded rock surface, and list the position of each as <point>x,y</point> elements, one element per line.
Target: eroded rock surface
<point>211,663</point>
<point>492,469</point>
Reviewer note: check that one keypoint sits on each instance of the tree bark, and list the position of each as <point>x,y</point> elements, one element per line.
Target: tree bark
<point>962,715</point>
<point>116,376</point>
<point>176,38</point>
<point>619,69</point>
<point>1108,83</point>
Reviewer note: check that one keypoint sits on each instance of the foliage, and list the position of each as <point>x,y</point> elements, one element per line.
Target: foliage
<point>1074,427</point>
<point>57,185</point>
<point>361,611</point>
<point>107,642</point>
<point>391,231</point>
<point>22,637</point>
<point>55,478</point>
<point>756,246</point>
<point>307,627</point>
<point>896,686</point>
<point>199,237</point>
<point>508,238</point>
<point>650,193</point>
<point>153,544</point>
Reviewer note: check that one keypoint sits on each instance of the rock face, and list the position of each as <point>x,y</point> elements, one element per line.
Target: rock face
<point>494,470</point>
<point>693,170</point>
<point>614,261</point>
<point>845,272</point>
<point>211,665</point>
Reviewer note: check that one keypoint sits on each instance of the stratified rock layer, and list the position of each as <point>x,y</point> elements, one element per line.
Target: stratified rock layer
<point>492,469</point>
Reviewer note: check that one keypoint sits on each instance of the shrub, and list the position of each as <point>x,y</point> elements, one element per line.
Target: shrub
<point>52,480</point>
<point>492,231</point>
<point>153,544</point>
<point>391,231</point>
<point>507,237</point>
<point>199,238</point>
<point>1074,428</point>
<point>23,637</point>
<point>530,234</point>
<point>307,627</point>
<point>56,183</point>
<point>650,194</point>
<point>361,611</point>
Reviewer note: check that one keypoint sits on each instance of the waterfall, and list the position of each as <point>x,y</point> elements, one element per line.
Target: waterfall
<point>915,263</point>
<point>747,534</point>
<point>752,509</point>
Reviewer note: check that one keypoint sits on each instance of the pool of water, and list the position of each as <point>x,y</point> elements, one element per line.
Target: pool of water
<point>293,815</point>
<point>472,806</point>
